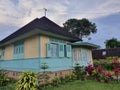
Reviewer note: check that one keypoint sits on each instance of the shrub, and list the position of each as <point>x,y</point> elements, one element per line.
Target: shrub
<point>106,64</point>
<point>79,71</point>
<point>89,69</point>
<point>73,77</point>
<point>62,79</point>
<point>67,78</point>
<point>44,76</point>
<point>56,81</point>
<point>27,81</point>
<point>3,79</point>
<point>95,74</point>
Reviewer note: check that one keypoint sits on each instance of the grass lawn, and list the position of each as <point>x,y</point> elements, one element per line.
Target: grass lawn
<point>86,85</point>
<point>77,85</point>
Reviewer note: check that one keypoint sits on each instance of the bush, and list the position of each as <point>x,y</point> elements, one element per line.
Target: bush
<point>73,77</point>
<point>56,81</point>
<point>67,78</point>
<point>3,79</point>
<point>79,71</point>
<point>105,63</point>
<point>27,81</point>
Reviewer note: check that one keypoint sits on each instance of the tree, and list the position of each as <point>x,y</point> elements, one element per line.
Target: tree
<point>80,27</point>
<point>44,77</point>
<point>112,43</point>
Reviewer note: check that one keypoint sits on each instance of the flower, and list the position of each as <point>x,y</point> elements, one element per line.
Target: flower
<point>108,74</point>
<point>116,63</point>
<point>103,72</point>
<point>116,71</point>
<point>99,68</point>
<point>89,69</point>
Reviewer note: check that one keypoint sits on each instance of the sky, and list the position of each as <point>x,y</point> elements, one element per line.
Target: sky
<point>104,13</point>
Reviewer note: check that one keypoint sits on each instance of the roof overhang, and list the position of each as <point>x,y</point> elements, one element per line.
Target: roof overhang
<point>37,32</point>
<point>86,45</point>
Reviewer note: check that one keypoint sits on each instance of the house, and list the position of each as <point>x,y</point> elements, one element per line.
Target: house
<point>104,53</point>
<point>43,41</point>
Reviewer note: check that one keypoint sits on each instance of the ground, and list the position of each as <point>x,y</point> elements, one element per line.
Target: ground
<point>77,85</point>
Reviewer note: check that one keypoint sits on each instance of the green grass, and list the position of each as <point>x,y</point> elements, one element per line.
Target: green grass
<point>8,87</point>
<point>77,85</point>
<point>86,85</point>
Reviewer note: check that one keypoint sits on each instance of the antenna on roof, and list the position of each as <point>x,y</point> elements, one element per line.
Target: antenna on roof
<point>45,10</point>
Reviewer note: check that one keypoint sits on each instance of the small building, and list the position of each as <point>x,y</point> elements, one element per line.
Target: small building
<point>103,53</point>
<point>43,41</point>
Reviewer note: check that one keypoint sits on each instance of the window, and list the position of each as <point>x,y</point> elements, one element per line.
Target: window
<point>18,50</point>
<point>58,50</point>
<point>68,50</point>
<point>3,54</point>
<point>104,53</point>
<point>54,50</point>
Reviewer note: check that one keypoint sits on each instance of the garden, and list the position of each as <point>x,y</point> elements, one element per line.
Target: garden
<point>103,75</point>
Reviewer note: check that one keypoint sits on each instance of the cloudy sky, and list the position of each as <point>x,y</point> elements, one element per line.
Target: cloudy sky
<point>105,13</point>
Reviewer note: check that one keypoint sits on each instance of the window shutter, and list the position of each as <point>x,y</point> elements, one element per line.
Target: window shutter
<point>48,50</point>
<point>19,50</point>
<point>15,52</point>
<point>68,50</point>
<point>3,54</point>
<point>61,50</point>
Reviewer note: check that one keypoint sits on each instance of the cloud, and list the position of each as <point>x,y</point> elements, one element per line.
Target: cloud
<point>21,12</point>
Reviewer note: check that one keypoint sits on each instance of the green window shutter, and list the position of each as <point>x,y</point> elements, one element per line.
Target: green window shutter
<point>61,50</point>
<point>18,50</point>
<point>3,54</point>
<point>48,50</point>
<point>68,50</point>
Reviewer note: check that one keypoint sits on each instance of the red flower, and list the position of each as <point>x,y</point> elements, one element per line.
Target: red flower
<point>116,71</point>
<point>89,69</point>
<point>99,68</point>
<point>103,72</point>
<point>108,74</point>
<point>116,63</point>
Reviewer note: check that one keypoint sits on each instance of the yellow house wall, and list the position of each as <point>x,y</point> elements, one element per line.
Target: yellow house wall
<point>9,52</point>
<point>31,47</point>
<point>43,42</point>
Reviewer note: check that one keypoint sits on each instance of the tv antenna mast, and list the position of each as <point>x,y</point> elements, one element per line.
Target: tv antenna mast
<point>45,10</point>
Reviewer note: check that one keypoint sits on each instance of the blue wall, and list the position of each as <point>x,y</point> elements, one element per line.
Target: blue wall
<point>55,64</point>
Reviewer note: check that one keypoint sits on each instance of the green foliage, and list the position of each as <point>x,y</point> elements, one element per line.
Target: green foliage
<point>67,78</point>
<point>44,66</point>
<point>80,27</point>
<point>73,77</point>
<point>95,74</point>
<point>79,71</point>
<point>3,79</point>
<point>44,77</point>
<point>107,64</point>
<point>112,43</point>
<point>56,81</point>
<point>27,81</point>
